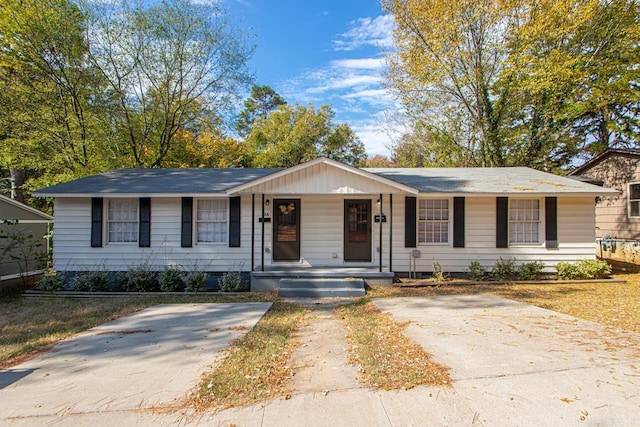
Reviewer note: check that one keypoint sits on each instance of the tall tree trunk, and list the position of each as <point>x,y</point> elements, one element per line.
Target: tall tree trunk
<point>18,177</point>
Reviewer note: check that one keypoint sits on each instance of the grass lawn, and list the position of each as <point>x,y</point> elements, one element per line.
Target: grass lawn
<point>29,325</point>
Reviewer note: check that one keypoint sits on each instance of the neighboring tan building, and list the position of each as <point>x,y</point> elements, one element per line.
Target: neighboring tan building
<point>616,215</point>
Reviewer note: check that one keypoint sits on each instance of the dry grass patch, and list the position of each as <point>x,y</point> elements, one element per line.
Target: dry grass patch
<point>386,358</point>
<point>31,325</point>
<point>612,304</point>
<point>256,366</point>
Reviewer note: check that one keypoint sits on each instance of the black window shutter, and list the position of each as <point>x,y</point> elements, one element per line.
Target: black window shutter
<point>96,222</point>
<point>234,222</point>
<point>144,236</point>
<point>502,222</point>
<point>458,222</point>
<point>186,240</point>
<point>551,222</point>
<point>410,224</point>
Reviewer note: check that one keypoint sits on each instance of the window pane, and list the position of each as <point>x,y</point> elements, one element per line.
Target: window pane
<point>211,221</point>
<point>122,220</point>
<point>634,206</point>
<point>524,221</point>
<point>634,191</point>
<point>433,221</point>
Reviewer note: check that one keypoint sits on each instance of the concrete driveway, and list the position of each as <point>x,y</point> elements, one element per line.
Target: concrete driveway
<point>106,375</point>
<point>516,364</point>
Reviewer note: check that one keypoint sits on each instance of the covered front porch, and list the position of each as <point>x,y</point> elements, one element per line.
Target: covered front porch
<point>322,220</point>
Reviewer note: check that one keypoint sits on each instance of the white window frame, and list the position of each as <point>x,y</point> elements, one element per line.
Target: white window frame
<point>448,221</point>
<point>538,222</point>
<point>224,221</point>
<point>630,200</point>
<point>108,222</point>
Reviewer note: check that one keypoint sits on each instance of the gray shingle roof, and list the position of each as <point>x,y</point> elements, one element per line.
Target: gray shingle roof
<point>518,180</point>
<point>158,181</point>
<point>484,180</point>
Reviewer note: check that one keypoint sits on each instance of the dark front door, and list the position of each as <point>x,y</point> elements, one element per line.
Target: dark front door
<point>286,230</point>
<point>357,230</point>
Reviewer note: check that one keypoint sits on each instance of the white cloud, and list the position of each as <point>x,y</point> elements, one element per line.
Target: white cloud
<point>339,82</point>
<point>360,64</point>
<point>376,31</point>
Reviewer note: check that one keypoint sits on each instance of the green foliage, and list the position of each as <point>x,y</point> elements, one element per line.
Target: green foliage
<point>194,281</point>
<point>91,86</point>
<point>171,280</point>
<point>140,278</point>
<point>170,65</point>
<point>438,274</point>
<point>504,269</point>
<point>530,270</point>
<point>232,281</point>
<point>530,83</point>
<point>51,282</point>
<point>263,100</point>
<point>477,271</point>
<point>583,270</point>
<point>295,134</point>
<point>91,281</point>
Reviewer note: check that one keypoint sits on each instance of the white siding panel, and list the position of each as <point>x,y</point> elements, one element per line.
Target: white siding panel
<point>72,251</point>
<point>576,223</point>
<point>321,237</point>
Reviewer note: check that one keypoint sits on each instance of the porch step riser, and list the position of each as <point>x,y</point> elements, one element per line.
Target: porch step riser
<point>320,288</point>
<point>320,293</point>
<point>319,283</point>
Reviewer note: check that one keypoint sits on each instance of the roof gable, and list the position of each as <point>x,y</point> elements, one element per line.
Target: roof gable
<point>323,176</point>
<point>22,206</point>
<point>611,152</point>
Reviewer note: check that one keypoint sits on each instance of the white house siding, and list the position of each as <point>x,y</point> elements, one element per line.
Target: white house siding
<point>322,231</point>
<point>575,236</point>
<point>72,219</point>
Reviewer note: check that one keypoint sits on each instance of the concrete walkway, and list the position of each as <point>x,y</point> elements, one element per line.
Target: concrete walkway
<point>512,365</point>
<point>516,364</point>
<point>107,375</point>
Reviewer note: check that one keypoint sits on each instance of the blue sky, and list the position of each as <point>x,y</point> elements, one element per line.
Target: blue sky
<point>324,52</point>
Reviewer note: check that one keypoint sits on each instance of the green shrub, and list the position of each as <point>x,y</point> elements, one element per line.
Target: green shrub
<point>584,269</point>
<point>476,271</point>
<point>232,281</point>
<point>438,274</point>
<point>51,282</point>
<point>171,280</point>
<point>91,281</point>
<point>194,281</point>
<point>504,269</point>
<point>140,278</point>
<point>530,270</point>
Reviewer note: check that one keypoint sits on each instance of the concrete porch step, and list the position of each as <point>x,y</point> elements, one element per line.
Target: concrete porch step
<point>320,287</point>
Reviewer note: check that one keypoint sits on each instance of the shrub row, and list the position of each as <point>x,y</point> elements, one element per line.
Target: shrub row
<point>507,270</point>
<point>141,279</point>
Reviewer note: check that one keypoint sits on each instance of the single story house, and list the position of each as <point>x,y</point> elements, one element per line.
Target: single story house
<point>617,214</point>
<point>18,220</point>
<point>320,214</point>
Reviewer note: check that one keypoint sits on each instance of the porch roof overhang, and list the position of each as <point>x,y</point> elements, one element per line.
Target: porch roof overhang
<point>322,176</point>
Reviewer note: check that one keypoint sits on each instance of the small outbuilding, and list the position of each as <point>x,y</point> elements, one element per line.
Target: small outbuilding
<point>23,231</point>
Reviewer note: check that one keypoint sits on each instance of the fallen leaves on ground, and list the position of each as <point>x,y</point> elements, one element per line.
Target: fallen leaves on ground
<point>385,357</point>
